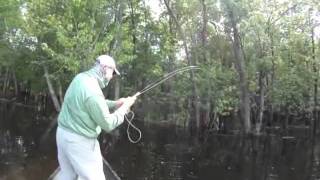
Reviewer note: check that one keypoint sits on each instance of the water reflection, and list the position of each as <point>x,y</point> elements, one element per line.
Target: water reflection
<point>21,157</point>
<point>20,160</point>
<point>165,153</point>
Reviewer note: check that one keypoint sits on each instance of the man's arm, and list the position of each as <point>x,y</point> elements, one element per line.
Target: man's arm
<point>99,112</point>
<point>113,105</point>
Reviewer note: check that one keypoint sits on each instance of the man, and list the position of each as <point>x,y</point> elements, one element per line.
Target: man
<point>83,114</point>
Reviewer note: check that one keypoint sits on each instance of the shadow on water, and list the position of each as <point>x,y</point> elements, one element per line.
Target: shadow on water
<point>164,153</point>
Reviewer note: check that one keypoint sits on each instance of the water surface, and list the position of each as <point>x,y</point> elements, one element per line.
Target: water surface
<point>164,153</point>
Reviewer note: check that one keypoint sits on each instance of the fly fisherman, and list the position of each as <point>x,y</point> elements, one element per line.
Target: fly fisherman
<point>85,111</point>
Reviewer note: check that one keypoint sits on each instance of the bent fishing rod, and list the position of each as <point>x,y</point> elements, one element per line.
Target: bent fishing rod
<point>148,88</point>
<point>165,78</point>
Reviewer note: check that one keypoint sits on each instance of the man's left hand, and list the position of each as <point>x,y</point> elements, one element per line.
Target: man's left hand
<point>119,102</point>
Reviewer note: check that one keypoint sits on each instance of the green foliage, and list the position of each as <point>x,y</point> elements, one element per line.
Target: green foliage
<point>66,36</point>
<point>292,88</point>
<point>222,90</point>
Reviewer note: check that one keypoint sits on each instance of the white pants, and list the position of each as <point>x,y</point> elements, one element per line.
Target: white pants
<point>79,157</point>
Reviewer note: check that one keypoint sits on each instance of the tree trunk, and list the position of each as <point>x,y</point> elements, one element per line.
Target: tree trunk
<point>15,82</point>
<point>5,81</point>
<point>133,27</point>
<point>315,70</point>
<point>272,76</point>
<point>261,102</point>
<point>51,90</point>
<point>171,67</point>
<point>56,104</point>
<point>194,108</point>
<point>117,89</point>
<point>118,21</point>
<point>117,46</point>
<point>240,66</point>
<point>60,92</point>
<point>206,116</point>
<point>133,33</point>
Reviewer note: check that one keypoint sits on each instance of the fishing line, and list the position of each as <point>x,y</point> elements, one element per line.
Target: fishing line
<point>129,120</point>
<point>146,89</point>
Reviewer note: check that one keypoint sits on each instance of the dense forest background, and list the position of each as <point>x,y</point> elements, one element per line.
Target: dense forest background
<point>259,59</point>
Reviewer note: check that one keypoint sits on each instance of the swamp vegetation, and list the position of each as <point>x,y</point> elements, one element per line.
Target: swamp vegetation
<point>258,83</point>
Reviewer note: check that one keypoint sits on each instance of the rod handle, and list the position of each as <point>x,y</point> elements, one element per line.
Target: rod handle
<point>136,94</point>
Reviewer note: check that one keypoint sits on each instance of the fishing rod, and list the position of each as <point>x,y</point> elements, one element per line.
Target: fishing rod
<point>148,88</point>
<point>164,78</point>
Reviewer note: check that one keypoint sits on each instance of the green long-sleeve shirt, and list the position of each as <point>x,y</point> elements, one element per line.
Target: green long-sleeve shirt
<point>85,110</point>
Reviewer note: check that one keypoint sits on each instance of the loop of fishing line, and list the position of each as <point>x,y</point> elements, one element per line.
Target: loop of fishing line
<point>129,120</point>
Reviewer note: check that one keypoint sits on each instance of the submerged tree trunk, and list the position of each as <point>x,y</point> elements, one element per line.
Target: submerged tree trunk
<point>285,121</point>
<point>52,92</point>
<point>240,66</point>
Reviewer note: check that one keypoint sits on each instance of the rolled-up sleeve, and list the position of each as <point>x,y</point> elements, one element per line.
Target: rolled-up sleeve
<point>99,112</point>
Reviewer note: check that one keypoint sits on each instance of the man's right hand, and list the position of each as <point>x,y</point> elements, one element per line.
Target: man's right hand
<point>129,101</point>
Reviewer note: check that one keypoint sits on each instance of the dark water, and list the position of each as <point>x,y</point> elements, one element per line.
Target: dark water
<point>164,153</point>
<point>21,155</point>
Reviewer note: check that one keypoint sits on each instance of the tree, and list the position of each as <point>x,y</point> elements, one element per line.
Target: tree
<point>240,66</point>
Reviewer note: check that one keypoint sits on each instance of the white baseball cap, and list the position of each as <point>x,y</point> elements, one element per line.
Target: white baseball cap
<point>105,60</point>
